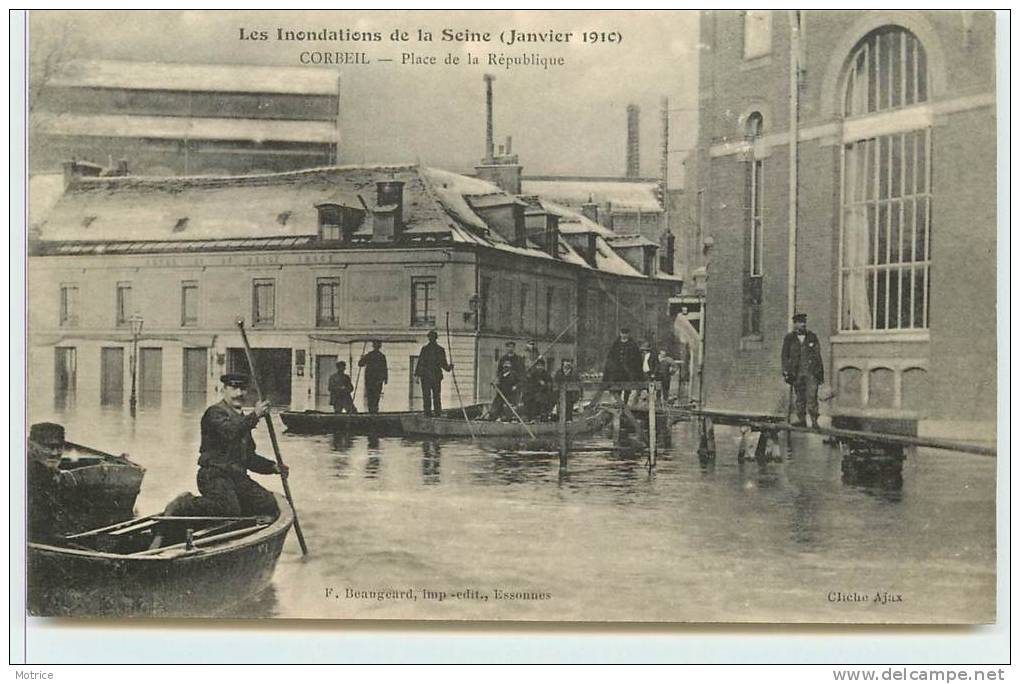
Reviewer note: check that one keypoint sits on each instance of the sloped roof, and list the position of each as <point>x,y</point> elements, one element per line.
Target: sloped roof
<point>130,214</point>
<point>605,258</point>
<point>133,208</point>
<point>224,78</point>
<point>624,195</point>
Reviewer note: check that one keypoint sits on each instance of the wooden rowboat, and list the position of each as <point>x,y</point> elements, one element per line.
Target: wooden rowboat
<point>323,422</point>
<point>97,489</point>
<point>449,427</point>
<point>147,567</point>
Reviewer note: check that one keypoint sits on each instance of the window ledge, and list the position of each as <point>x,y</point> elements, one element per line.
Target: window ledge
<point>887,336</point>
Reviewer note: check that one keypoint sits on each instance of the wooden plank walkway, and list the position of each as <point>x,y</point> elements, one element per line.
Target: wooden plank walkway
<point>758,422</point>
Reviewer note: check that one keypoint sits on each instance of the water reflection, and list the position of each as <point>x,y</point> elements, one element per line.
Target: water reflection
<point>431,453</point>
<point>342,442</point>
<point>463,510</point>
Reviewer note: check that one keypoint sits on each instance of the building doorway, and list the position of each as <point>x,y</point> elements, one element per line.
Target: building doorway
<point>65,375</point>
<point>196,373</point>
<point>111,382</point>
<point>273,366</point>
<point>325,366</point>
<point>150,377</point>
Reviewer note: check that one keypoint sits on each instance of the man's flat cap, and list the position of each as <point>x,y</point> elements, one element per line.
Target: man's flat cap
<point>800,317</point>
<point>433,333</point>
<point>47,433</point>
<point>235,380</point>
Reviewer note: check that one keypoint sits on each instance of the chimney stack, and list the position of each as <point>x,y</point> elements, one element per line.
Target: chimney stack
<point>590,210</point>
<point>76,169</point>
<point>503,171</point>
<point>488,119</point>
<point>633,141</point>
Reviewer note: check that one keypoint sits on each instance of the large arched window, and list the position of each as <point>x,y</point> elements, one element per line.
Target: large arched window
<point>885,255</point>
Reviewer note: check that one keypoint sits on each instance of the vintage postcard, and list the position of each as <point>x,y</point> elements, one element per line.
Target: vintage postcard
<point>658,316</point>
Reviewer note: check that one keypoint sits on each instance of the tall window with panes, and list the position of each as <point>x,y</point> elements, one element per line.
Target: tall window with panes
<point>68,305</point>
<point>189,303</point>
<point>423,304</point>
<point>123,304</point>
<point>885,227</point>
<point>327,297</point>
<point>263,302</point>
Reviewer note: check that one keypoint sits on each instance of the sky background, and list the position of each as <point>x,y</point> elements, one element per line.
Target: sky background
<point>566,120</point>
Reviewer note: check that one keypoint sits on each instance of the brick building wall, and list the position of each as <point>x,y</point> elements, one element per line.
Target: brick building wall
<point>940,374</point>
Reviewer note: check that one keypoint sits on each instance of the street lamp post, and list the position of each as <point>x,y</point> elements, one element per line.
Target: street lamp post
<point>136,330</point>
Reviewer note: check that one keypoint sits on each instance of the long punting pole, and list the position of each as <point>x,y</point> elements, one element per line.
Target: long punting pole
<point>272,436</point>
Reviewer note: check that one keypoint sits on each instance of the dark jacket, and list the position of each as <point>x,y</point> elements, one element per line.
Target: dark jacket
<point>538,390</point>
<point>374,363</point>
<point>508,379</point>
<point>799,357</point>
<point>623,362</point>
<point>431,363</point>
<point>44,507</point>
<point>227,443</point>
<point>340,388</point>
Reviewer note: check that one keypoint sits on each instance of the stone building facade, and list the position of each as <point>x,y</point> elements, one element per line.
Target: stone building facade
<point>893,215</point>
<point>317,262</point>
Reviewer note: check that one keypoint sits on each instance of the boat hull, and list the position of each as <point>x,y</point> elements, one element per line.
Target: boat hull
<point>390,423</point>
<point>74,583</point>
<point>448,427</point>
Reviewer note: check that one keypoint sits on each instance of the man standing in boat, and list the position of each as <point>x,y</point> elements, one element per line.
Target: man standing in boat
<point>226,455</point>
<point>376,375</point>
<point>341,390</point>
<point>429,371</point>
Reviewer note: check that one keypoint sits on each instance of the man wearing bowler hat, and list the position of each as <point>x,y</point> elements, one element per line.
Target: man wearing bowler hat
<point>226,455</point>
<point>802,368</point>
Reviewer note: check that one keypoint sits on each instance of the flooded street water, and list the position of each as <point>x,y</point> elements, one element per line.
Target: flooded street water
<point>601,539</point>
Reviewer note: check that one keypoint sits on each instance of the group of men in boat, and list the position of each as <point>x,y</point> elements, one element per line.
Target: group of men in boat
<point>528,391</point>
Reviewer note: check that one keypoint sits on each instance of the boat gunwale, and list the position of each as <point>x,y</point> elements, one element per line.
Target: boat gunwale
<point>279,526</point>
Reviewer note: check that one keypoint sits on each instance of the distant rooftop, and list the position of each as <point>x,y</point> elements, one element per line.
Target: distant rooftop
<point>226,78</point>
<point>624,194</point>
